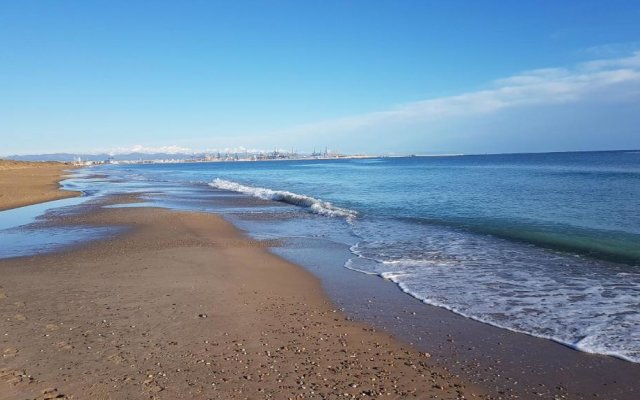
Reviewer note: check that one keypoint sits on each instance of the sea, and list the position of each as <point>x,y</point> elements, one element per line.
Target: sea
<point>543,244</point>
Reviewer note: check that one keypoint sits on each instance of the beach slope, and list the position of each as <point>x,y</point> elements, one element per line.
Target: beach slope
<point>184,306</point>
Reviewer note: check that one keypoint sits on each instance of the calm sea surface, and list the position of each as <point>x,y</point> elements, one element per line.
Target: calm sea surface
<point>545,244</point>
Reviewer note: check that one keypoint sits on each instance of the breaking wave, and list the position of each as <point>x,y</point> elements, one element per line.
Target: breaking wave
<point>312,204</point>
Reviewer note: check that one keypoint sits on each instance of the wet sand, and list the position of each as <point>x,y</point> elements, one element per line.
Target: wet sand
<point>25,183</point>
<point>185,306</point>
<point>507,364</point>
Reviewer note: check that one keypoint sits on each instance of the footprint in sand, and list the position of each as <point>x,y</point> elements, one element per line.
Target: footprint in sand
<point>115,358</point>
<point>9,352</point>
<point>15,377</point>
<point>64,346</point>
<point>52,393</point>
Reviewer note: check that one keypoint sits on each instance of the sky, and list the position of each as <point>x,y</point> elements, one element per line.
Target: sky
<point>420,77</point>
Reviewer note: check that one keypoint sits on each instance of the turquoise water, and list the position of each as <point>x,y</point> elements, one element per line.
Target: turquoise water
<point>544,244</point>
<point>582,202</point>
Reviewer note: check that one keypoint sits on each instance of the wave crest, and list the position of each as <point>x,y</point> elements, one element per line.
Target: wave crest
<point>314,205</point>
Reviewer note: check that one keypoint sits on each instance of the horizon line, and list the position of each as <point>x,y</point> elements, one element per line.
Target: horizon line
<point>350,154</point>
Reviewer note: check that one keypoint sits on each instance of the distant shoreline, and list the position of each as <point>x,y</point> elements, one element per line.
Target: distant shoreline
<point>126,158</point>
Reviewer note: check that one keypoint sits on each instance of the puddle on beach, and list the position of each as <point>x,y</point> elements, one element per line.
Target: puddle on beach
<point>29,241</point>
<point>23,234</point>
<point>29,214</point>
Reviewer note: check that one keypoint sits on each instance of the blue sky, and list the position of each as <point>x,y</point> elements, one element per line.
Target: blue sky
<point>357,76</point>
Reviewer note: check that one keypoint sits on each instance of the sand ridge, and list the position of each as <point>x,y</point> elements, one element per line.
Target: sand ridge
<point>23,183</point>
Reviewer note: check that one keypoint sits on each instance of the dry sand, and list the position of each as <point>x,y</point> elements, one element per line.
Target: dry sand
<point>184,306</point>
<point>23,183</point>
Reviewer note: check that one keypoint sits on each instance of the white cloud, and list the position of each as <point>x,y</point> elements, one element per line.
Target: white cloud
<point>138,148</point>
<point>186,150</point>
<point>549,86</point>
<point>609,49</point>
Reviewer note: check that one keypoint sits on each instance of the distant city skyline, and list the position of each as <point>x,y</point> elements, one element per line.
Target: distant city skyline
<point>422,77</point>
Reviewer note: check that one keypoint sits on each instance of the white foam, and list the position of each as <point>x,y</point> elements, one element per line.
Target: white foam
<point>582,303</point>
<point>314,205</point>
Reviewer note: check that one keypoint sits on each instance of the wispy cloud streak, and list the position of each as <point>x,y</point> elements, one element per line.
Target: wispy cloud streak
<point>607,77</point>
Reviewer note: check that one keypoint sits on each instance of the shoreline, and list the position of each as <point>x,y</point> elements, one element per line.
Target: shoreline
<point>184,305</point>
<point>29,183</point>
<point>508,364</point>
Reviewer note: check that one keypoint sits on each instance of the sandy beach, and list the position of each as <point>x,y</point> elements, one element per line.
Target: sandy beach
<point>25,183</point>
<point>184,306</point>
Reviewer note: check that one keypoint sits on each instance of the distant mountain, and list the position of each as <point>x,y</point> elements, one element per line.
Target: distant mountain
<point>102,157</point>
